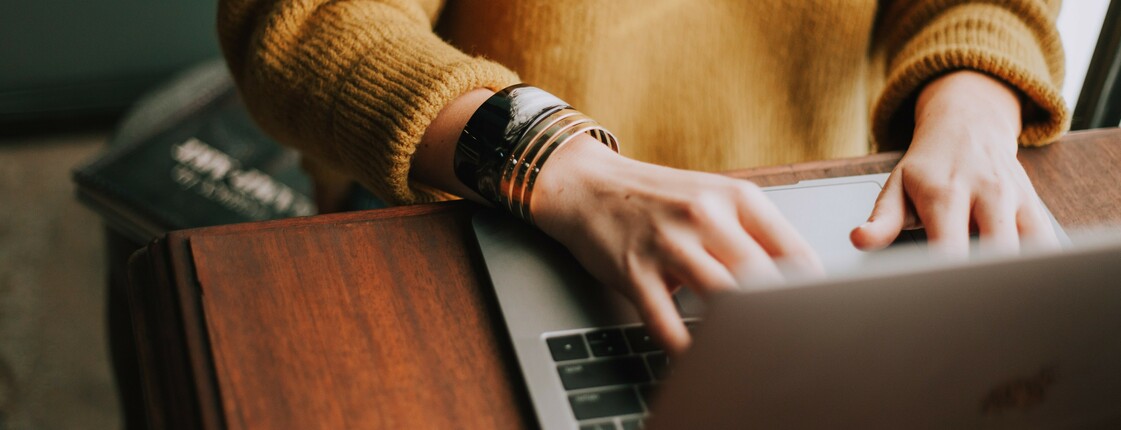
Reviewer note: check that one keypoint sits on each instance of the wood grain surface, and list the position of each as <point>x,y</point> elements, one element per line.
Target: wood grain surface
<point>376,324</point>
<point>384,319</point>
<point>1079,178</point>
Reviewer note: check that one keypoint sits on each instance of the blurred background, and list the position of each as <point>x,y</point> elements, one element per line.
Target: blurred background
<point>68,70</point>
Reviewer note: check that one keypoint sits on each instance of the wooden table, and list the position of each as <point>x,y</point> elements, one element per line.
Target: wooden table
<point>384,319</point>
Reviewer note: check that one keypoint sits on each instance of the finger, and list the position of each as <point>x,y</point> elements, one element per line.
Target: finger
<point>656,307</point>
<point>1035,227</point>
<point>701,271</point>
<point>740,253</point>
<point>765,225</point>
<point>745,259</point>
<point>945,213</point>
<point>996,223</point>
<point>890,215</point>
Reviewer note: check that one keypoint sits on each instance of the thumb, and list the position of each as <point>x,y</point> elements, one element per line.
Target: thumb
<point>888,217</point>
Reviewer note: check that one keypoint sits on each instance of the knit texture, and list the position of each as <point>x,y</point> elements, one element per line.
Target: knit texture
<point>353,84</point>
<point>1012,41</point>
<point>711,86</point>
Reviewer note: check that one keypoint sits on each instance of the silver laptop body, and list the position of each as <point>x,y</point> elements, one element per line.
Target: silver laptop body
<point>545,295</point>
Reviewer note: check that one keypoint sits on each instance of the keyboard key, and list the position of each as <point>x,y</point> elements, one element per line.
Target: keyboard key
<point>659,364</point>
<point>606,425</point>
<point>566,348</point>
<point>607,403</point>
<point>632,424</point>
<point>605,343</point>
<point>640,340</point>
<point>618,371</point>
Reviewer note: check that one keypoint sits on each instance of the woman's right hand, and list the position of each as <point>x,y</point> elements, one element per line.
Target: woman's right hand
<point>648,229</point>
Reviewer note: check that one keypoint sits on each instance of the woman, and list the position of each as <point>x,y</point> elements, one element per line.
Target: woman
<point>382,90</point>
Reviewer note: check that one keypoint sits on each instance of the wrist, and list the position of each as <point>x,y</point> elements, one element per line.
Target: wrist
<point>507,142</point>
<point>432,161</point>
<point>968,100</point>
<point>574,175</point>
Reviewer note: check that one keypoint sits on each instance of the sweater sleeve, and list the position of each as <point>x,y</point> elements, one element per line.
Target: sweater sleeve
<point>1014,40</point>
<point>352,83</point>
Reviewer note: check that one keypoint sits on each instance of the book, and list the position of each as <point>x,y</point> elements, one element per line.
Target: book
<point>189,155</point>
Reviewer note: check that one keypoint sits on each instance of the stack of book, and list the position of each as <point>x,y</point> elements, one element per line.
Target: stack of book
<point>189,155</point>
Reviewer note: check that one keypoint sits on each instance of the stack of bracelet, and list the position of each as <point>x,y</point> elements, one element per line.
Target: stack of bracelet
<point>508,140</point>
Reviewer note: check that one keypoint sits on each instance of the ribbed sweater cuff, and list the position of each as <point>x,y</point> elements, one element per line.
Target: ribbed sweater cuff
<point>988,39</point>
<point>396,104</point>
<point>399,109</point>
<point>356,84</point>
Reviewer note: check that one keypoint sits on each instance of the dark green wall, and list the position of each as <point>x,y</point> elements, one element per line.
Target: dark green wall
<point>71,58</point>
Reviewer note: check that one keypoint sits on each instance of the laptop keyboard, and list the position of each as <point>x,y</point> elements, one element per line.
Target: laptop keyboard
<point>609,374</point>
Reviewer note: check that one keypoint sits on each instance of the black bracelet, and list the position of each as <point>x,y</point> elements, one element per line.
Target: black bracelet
<point>493,132</point>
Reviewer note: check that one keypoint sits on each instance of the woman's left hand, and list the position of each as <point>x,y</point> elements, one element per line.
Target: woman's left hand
<point>961,173</point>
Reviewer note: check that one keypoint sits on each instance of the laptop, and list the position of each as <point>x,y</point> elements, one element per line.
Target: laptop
<point>588,362</point>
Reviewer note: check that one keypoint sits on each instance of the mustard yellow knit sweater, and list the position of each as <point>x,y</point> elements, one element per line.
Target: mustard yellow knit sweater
<point>700,84</point>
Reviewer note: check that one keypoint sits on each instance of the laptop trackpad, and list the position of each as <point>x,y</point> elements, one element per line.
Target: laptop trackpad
<point>824,214</point>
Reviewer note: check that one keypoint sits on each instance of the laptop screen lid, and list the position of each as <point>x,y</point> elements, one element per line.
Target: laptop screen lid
<point>1013,343</point>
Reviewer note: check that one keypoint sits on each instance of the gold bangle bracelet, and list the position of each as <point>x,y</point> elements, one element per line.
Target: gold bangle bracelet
<point>529,161</point>
<point>532,160</point>
<point>519,171</point>
<point>529,140</point>
<point>507,140</point>
<point>494,130</point>
<point>525,149</point>
<point>562,138</point>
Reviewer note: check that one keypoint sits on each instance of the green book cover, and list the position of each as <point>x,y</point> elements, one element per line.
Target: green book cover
<point>204,163</point>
